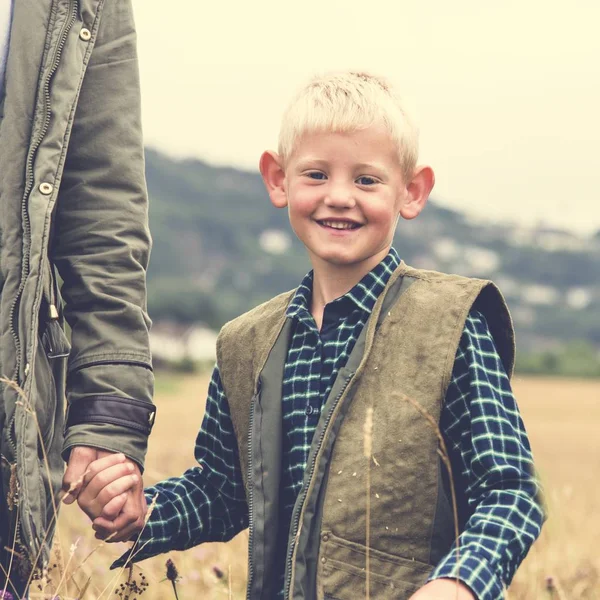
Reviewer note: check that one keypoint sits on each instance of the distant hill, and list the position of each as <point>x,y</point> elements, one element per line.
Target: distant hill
<point>220,248</point>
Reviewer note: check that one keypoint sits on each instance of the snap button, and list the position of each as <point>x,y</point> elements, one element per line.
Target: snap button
<point>323,560</point>
<point>85,35</point>
<point>325,537</point>
<point>46,188</point>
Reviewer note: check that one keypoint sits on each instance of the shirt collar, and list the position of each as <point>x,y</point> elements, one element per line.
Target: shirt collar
<point>362,296</point>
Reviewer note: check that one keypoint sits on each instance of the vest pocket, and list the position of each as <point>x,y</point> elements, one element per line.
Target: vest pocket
<point>342,572</point>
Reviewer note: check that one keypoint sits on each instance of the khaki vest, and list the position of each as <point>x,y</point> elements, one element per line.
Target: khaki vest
<point>404,356</point>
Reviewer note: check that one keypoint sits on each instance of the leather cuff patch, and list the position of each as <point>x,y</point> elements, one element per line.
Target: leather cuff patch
<point>127,412</point>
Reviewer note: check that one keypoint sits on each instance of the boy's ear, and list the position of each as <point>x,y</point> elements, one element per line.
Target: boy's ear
<point>273,175</point>
<point>418,190</point>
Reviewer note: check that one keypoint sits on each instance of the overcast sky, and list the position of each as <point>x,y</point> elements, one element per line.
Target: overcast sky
<point>507,94</point>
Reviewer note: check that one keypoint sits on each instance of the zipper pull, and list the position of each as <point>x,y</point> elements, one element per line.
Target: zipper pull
<point>52,312</point>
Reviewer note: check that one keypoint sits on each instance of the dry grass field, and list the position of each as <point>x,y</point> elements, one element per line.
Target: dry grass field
<point>563,421</point>
<point>562,418</point>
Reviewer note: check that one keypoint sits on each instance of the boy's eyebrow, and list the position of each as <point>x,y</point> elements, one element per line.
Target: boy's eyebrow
<point>368,166</point>
<point>319,162</point>
<point>311,162</point>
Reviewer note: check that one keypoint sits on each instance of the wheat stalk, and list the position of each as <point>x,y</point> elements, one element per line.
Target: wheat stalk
<point>112,584</point>
<point>26,405</point>
<point>368,452</point>
<point>443,454</point>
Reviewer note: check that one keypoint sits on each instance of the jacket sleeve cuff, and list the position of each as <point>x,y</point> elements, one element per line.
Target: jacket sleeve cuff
<point>110,437</point>
<point>110,406</point>
<point>125,412</point>
<point>472,570</point>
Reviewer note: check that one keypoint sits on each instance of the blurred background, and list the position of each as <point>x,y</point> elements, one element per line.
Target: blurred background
<point>506,95</point>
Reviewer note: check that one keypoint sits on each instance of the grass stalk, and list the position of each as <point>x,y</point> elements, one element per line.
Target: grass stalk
<point>12,554</point>
<point>555,589</point>
<point>443,454</point>
<point>368,452</point>
<point>26,405</point>
<point>64,572</point>
<point>113,583</point>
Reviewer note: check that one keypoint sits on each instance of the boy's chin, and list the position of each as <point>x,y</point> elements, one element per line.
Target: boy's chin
<point>343,261</point>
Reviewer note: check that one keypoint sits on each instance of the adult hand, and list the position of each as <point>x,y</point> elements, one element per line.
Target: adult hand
<point>444,589</point>
<point>120,524</point>
<point>105,486</point>
<point>77,468</point>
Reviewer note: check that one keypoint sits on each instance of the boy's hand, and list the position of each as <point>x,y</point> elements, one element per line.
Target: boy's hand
<point>104,485</point>
<point>444,589</point>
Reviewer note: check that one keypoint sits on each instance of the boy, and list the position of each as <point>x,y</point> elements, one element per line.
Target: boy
<point>281,445</point>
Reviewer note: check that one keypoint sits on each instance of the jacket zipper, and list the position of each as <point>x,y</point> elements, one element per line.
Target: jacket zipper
<point>9,435</point>
<point>29,178</point>
<point>251,497</point>
<point>304,491</point>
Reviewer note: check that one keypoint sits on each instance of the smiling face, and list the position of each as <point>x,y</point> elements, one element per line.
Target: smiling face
<point>345,192</point>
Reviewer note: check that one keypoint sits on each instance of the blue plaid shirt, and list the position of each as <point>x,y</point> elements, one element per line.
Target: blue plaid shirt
<point>485,436</point>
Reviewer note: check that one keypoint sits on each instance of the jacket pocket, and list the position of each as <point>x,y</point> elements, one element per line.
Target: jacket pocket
<point>343,575</point>
<point>50,363</point>
<point>50,372</point>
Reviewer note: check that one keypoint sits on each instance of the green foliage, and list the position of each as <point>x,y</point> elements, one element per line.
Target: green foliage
<point>166,384</point>
<point>576,359</point>
<point>568,324</point>
<point>178,299</point>
<point>558,268</point>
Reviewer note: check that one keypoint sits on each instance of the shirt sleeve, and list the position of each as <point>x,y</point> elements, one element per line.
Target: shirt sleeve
<point>498,494</point>
<point>208,502</point>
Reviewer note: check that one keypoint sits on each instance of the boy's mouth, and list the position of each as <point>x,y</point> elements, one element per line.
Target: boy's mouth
<point>338,224</point>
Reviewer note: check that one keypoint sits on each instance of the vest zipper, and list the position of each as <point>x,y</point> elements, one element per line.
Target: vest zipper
<point>304,492</point>
<point>29,179</point>
<point>251,496</point>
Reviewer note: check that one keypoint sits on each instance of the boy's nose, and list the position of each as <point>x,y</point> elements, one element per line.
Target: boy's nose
<point>339,197</point>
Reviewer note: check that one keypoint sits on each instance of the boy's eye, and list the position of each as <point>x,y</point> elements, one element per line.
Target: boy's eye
<point>366,180</point>
<point>318,175</point>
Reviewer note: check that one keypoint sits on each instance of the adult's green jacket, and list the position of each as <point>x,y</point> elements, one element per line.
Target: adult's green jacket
<point>73,201</point>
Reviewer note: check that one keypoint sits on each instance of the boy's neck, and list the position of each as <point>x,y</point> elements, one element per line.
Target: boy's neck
<point>332,281</point>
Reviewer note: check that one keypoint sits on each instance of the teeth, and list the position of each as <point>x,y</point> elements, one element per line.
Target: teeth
<point>339,224</point>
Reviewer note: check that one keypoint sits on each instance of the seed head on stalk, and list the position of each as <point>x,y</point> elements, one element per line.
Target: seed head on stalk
<point>172,575</point>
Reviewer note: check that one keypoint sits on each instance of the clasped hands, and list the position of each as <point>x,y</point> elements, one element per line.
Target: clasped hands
<point>108,487</point>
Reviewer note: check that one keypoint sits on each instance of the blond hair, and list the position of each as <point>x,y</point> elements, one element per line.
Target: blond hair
<point>346,102</point>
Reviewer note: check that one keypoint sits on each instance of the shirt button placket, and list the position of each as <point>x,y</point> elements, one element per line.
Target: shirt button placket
<point>318,367</point>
